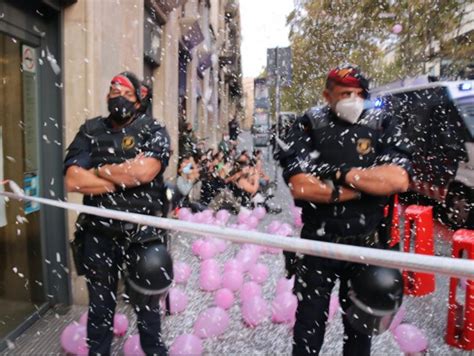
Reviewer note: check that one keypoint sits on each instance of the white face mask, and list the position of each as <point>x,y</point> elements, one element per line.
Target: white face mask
<point>349,109</point>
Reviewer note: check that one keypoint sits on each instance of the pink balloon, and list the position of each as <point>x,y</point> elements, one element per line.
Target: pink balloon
<point>209,280</point>
<point>259,212</point>
<point>83,319</point>
<point>199,217</point>
<point>296,211</point>
<point>397,28</point>
<point>120,324</point>
<point>333,306</point>
<point>252,222</point>
<point>255,248</point>
<point>250,290</point>
<point>73,339</point>
<point>221,245</point>
<point>208,213</point>
<point>398,318</point>
<point>297,221</point>
<point>181,272</point>
<point>211,322</point>
<point>243,215</point>
<point>284,230</point>
<point>232,264</point>
<point>184,214</point>
<point>178,300</point>
<point>232,280</point>
<point>273,227</point>
<point>284,307</point>
<point>192,218</point>
<point>208,220</point>
<point>243,227</point>
<point>255,311</point>
<point>273,250</point>
<point>258,273</point>
<point>410,339</point>
<point>284,285</point>
<point>223,216</point>
<point>210,264</point>
<point>247,258</point>
<point>186,344</point>
<point>196,247</point>
<point>224,298</point>
<point>132,346</point>
<point>207,250</point>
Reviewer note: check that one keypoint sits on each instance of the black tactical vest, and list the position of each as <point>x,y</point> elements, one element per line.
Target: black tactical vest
<point>352,145</point>
<point>109,146</point>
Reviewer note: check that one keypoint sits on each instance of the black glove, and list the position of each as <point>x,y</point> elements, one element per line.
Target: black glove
<point>330,172</point>
<point>291,263</point>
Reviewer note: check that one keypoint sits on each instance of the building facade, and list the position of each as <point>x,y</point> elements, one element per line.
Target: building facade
<point>57,58</point>
<point>249,102</point>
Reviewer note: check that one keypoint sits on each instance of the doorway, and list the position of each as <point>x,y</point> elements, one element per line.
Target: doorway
<point>22,285</point>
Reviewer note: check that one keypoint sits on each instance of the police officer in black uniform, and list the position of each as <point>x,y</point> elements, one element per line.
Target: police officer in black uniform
<point>341,162</point>
<point>117,162</point>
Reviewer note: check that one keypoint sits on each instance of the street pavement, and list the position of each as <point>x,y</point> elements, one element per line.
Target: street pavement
<point>427,313</point>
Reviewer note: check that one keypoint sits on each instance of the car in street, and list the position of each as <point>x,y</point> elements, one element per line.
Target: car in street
<point>438,120</point>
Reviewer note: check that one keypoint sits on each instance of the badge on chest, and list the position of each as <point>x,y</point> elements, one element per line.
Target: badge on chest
<point>128,142</point>
<point>364,146</point>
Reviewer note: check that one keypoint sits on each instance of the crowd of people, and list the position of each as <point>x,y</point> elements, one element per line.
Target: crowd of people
<point>222,178</point>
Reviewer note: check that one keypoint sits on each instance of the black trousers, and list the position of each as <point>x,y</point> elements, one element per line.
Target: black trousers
<point>103,260</point>
<point>314,282</point>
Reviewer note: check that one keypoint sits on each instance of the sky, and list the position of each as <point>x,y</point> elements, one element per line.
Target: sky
<point>263,24</point>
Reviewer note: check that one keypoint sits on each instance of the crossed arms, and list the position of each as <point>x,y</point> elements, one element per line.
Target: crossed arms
<point>106,178</point>
<point>380,180</point>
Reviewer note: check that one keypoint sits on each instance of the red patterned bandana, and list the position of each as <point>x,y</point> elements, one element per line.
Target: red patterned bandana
<point>122,80</point>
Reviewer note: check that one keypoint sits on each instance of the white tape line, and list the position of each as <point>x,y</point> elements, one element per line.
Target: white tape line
<point>414,262</point>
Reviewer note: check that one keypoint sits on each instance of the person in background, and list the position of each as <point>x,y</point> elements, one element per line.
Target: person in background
<point>264,179</point>
<point>188,140</point>
<point>234,129</point>
<point>188,184</point>
<point>245,182</point>
<point>224,146</point>
<point>223,196</point>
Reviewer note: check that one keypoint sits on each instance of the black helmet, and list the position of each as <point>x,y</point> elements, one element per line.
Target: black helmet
<point>149,273</point>
<point>374,296</point>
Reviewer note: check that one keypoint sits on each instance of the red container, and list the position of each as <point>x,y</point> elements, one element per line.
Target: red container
<point>460,326</point>
<point>419,228</point>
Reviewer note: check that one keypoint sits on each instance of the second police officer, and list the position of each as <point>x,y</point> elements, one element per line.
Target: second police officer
<point>117,162</point>
<point>341,162</point>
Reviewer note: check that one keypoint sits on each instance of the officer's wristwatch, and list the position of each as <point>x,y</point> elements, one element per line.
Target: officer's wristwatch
<point>341,175</point>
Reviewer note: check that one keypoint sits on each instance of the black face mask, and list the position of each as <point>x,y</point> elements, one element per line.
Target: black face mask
<point>121,110</point>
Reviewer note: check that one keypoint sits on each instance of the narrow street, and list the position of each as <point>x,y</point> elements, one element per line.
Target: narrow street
<point>104,101</point>
<point>427,313</point>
